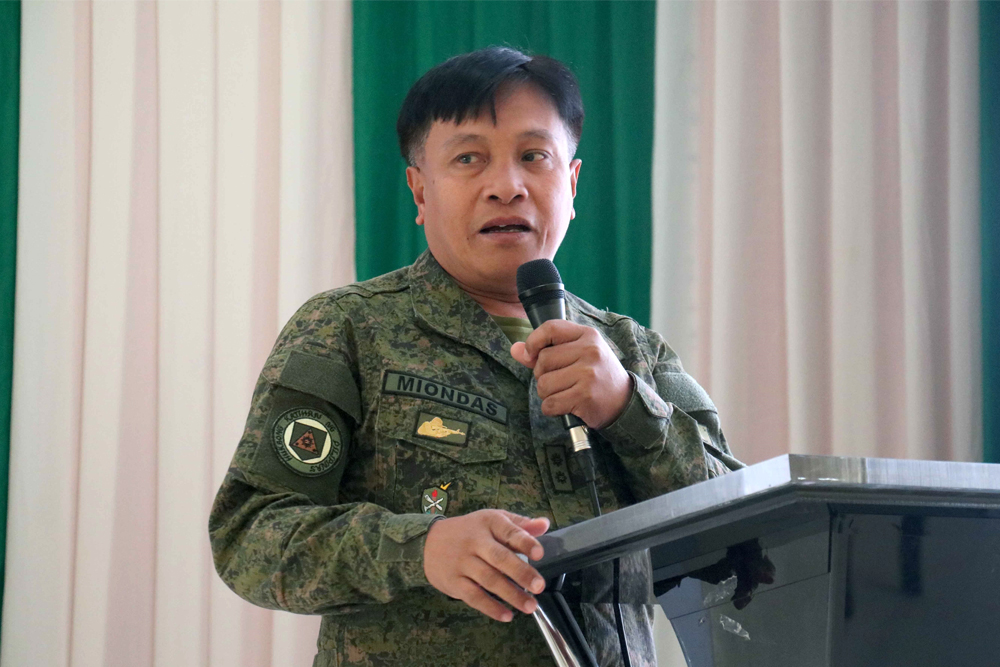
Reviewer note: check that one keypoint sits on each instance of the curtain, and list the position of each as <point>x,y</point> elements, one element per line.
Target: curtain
<point>10,56</point>
<point>816,222</point>
<point>609,46</point>
<point>186,183</point>
<point>187,178</point>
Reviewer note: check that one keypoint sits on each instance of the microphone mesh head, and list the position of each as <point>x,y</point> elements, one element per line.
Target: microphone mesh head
<point>536,272</point>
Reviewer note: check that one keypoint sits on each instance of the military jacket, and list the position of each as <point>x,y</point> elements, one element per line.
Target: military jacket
<point>388,403</point>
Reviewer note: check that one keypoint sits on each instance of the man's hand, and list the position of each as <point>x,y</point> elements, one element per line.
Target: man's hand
<point>467,556</point>
<point>577,372</point>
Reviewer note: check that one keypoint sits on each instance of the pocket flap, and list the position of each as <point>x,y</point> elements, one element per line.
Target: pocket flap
<point>317,376</point>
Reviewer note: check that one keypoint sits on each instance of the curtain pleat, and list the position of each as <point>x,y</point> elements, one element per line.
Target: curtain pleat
<point>748,335</point>
<point>836,310</point>
<point>239,634</point>
<point>187,207</point>
<point>806,51</point>
<point>115,521</point>
<point>866,355</point>
<point>189,183</point>
<point>964,242</point>
<point>53,215</point>
<point>924,158</point>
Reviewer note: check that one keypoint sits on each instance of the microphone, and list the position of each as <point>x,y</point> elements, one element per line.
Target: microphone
<point>541,292</point>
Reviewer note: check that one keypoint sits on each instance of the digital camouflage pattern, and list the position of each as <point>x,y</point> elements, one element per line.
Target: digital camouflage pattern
<point>348,543</point>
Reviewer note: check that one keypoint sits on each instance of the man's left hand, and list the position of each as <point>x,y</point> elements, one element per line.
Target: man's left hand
<point>577,372</point>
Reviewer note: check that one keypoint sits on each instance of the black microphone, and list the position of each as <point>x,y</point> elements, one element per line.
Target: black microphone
<point>541,292</point>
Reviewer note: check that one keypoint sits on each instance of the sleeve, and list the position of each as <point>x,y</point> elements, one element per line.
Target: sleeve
<point>280,536</point>
<point>668,436</point>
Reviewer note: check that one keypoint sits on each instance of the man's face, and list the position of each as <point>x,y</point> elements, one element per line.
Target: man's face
<point>493,196</point>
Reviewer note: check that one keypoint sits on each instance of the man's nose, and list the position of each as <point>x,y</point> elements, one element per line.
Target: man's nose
<point>505,182</point>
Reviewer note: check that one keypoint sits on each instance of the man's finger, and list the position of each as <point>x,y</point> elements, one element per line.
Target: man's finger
<point>562,403</point>
<point>504,561</point>
<point>520,355</point>
<point>556,381</point>
<point>500,585</point>
<point>478,599</point>
<point>553,332</point>
<point>553,358</point>
<point>534,526</point>
<point>508,532</point>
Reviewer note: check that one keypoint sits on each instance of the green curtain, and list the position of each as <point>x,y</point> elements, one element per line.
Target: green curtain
<point>10,71</point>
<point>989,119</point>
<point>606,256</point>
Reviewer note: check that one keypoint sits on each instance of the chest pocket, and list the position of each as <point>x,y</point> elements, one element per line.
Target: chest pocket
<point>425,445</point>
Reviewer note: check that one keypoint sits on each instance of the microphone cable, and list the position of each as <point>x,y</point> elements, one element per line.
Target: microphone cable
<point>540,290</point>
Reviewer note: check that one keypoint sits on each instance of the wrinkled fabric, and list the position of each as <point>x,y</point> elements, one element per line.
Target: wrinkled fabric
<point>324,515</point>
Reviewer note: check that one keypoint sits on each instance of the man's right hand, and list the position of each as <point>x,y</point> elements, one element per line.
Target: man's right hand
<point>466,556</point>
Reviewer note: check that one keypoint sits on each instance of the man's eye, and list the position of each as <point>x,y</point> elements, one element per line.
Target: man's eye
<point>534,156</point>
<point>467,158</point>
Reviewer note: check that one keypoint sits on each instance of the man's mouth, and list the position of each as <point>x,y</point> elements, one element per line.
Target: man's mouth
<point>505,226</point>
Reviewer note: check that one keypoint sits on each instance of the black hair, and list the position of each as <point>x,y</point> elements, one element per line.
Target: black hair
<point>466,85</point>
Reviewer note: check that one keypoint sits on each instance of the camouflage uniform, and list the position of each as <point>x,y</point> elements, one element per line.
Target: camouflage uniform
<point>385,397</point>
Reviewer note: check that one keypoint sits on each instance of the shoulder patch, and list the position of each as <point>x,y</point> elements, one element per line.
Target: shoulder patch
<point>307,441</point>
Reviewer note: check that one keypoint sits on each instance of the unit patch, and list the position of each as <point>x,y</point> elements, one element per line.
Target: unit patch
<point>446,430</point>
<point>411,385</point>
<point>435,499</point>
<point>307,441</point>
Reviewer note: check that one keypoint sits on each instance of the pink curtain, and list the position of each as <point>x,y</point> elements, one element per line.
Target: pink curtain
<point>816,251</point>
<point>186,183</point>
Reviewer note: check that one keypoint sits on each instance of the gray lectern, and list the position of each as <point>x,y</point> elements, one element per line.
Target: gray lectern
<point>818,561</point>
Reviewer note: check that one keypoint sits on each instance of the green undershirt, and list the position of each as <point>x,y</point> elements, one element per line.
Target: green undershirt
<point>517,329</point>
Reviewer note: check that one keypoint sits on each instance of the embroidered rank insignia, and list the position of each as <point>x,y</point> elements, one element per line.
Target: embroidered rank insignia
<point>307,441</point>
<point>447,430</point>
<point>558,468</point>
<point>435,499</point>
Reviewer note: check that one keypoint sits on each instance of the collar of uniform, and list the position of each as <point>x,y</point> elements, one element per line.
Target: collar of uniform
<point>442,306</point>
<point>581,312</point>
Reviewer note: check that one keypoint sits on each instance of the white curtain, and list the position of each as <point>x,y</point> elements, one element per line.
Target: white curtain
<point>816,216</point>
<point>186,181</point>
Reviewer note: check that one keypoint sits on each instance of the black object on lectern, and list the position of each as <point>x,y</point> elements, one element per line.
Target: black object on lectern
<point>817,561</point>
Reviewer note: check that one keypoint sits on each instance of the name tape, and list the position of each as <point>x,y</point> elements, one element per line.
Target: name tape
<point>412,385</point>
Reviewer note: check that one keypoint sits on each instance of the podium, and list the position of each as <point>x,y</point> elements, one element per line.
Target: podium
<point>817,561</point>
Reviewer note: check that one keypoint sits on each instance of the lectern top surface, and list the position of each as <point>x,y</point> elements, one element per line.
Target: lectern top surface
<point>832,478</point>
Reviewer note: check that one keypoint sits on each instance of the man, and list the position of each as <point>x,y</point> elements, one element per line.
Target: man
<point>400,452</point>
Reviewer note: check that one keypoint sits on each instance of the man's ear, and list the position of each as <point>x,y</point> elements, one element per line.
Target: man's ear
<point>415,180</point>
<point>574,175</point>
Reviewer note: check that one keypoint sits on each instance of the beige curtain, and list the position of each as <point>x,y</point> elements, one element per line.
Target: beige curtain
<point>815,225</point>
<point>186,182</point>
<point>816,252</point>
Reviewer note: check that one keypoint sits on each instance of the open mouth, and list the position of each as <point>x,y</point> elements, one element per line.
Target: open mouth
<point>506,226</point>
